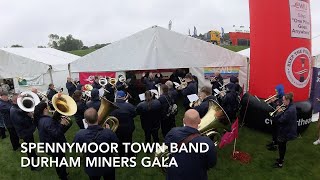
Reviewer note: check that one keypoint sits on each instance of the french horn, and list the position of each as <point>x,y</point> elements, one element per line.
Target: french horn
<point>212,125</point>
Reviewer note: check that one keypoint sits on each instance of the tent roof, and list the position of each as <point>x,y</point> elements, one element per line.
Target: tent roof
<point>29,62</point>
<point>315,48</point>
<point>156,48</point>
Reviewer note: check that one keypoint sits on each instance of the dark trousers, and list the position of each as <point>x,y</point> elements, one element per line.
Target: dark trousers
<point>282,150</point>
<point>274,132</point>
<point>32,154</point>
<point>109,176</point>
<point>3,132</point>
<point>151,132</point>
<point>167,124</point>
<point>127,138</point>
<point>14,138</point>
<point>61,171</point>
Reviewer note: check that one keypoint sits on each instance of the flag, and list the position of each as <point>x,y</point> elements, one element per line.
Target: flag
<point>228,137</point>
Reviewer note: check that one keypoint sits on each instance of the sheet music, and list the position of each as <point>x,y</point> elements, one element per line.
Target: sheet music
<point>142,97</point>
<point>216,91</point>
<point>176,84</point>
<point>85,123</point>
<point>193,97</point>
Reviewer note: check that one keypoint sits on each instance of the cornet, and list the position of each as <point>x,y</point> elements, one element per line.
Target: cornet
<point>275,112</point>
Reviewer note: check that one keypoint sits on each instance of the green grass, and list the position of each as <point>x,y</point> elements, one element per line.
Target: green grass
<point>236,48</point>
<point>302,159</point>
<point>82,52</point>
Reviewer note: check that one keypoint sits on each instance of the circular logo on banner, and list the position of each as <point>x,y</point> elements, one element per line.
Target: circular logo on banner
<point>298,67</point>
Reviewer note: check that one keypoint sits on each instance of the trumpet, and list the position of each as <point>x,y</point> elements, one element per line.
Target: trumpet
<point>274,96</point>
<point>183,84</point>
<point>275,112</point>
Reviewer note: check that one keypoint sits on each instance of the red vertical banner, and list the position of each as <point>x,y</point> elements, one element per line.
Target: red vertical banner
<point>88,77</point>
<point>280,47</point>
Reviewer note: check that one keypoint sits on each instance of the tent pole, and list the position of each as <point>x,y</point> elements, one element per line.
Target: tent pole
<point>50,72</point>
<point>69,70</point>
<point>248,73</point>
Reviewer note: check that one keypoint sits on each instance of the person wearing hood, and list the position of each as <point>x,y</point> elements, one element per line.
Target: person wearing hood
<point>191,165</point>
<point>275,102</point>
<point>230,102</point>
<point>287,123</point>
<point>125,114</point>
<point>205,96</point>
<point>95,100</point>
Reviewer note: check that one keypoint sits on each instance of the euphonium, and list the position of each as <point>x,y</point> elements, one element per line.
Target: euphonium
<point>105,109</point>
<point>103,82</point>
<point>27,101</point>
<point>212,125</point>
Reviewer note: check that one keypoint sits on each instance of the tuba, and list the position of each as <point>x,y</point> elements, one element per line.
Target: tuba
<point>27,101</point>
<point>212,125</point>
<point>105,109</point>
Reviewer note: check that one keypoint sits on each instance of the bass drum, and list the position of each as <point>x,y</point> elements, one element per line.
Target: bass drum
<point>254,112</point>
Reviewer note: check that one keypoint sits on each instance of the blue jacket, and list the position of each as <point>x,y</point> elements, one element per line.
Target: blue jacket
<point>98,135</point>
<point>204,106</point>
<point>50,131</point>
<point>95,101</point>
<point>51,93</point>
<point>150,83</point>
<point>81,108</point>
<point>5,113</point>
<point>125,115</point>
<point>174,94</point>
<point>190,165</point>
<point>96,85</point>
<point>71,88</point>
<point>21,122</point>
<point>150,117</point>
<point>166,101</point>
<point>287,123</point>
<point>190,89</point>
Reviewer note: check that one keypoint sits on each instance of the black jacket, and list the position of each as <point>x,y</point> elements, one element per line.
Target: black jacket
<point>81,108</point>
<point>150,117</point>
<point>230,104</point>
<point>110,95</point>
<point>95,101</point>
<point>174,94</point>
<point>5,113</point>
<point>166,101</point>
<point>204,106</point>
<point>150,83</point>
<point>98,135</point>
<point>51,93</point>
<point>287,123</point>
<point>217,84</point>
<point>21,122</point>
<point>71,88</point>
<point>121,86</point>
<point>96,85</point>
<point>50,131</point>
<point>125,115</point>
<point>190,165</point>
<point>190,89</point>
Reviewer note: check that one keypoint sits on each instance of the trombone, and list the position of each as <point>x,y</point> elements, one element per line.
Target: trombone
<point>274,96</point>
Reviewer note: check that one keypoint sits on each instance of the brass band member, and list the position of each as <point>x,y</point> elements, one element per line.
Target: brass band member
<point>71,86</point>
<point>81,107</point>
<point>51,131</point>
<point>317,142</point>
<point>125,115</point>
<point>217,82</point>
<point>121,84</point>
<point>96,134</point>
<point>190,89</point>
<point>275,102</point>
<point>5,106</point>
<point>95,83</point>
<point>230,101</point>
<point>22,122</point>
<point>150,115</point>
<point>205,95</point>
<point>190,165</point>
<point>168,120</point>
<point>150,80</point>
<point>172,91</point>
<point>95,100</point>
<point>50,93</point>
<point>287,122</point>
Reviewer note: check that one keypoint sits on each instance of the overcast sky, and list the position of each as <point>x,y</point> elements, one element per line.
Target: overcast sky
<point>29,22</point>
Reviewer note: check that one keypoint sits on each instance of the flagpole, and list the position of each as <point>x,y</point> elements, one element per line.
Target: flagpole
<point>234,146</point>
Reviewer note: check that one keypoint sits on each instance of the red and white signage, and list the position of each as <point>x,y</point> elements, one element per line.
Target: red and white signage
<point>300,19</point>
<point>88,77</point>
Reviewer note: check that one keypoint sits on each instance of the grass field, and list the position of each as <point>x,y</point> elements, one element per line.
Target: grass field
<point>236,48</point>
<point>301,162</point>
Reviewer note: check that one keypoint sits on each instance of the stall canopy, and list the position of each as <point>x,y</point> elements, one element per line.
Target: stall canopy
<point>157,48</point>
<point>245,52</point>
<point>29,62</point>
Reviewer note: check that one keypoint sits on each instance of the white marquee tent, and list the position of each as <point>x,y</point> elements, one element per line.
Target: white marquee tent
<point>49,65</point>
<point>159,48</point>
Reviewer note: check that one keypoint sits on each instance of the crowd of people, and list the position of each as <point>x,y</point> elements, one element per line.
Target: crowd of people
<point>156,112</point>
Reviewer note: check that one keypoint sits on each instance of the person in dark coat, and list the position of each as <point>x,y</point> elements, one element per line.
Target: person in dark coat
<point>190,89</point>
<point>217,82</point>
<point>5,106</point>
<point>150,115</point>
<point>95,100</point>
<point>205,95</point>
<point>50,93</point>
<point>132,87</point>
<point>167,121</point>
<point>81,107</point>
<point>51,131</point>
<point>121,84</point>
<point>79,86</point>
<point>2,123</point>
<point>70,86</point>
<point>230,102</point>
<point>275,102</point>
<point>150,81</point>
<point>95,83</point>
<point>22,122</point>
<point>190,165</point>
<point>287,122</point>
<point>172,91</point>
<point>110,88</point>
<point>125,115</point>
<point>96,134</point>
